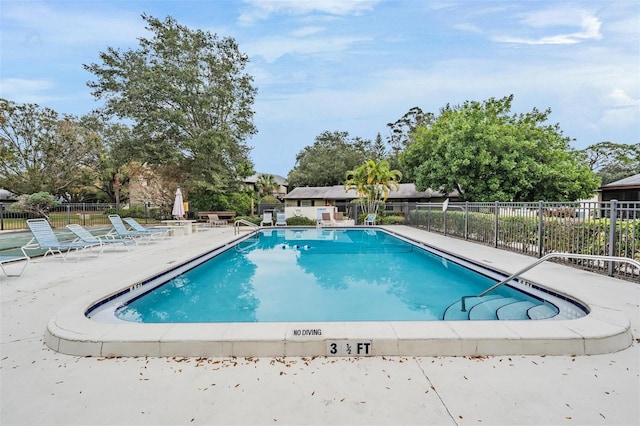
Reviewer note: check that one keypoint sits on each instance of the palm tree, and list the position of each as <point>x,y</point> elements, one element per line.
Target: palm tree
<point>266,184</point>
<point>373,181</point>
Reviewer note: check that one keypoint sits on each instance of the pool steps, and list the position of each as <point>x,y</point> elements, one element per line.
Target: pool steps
<point>494,307</point>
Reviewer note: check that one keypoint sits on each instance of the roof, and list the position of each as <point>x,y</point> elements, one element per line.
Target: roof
<point>337,192</point>
<point>282,181</point>
<point>6,195</point>
<point>626,183</point>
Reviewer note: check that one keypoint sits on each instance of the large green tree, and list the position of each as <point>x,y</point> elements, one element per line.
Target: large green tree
<point>613,161</point>
<point>489,154</point>
<point>189,99</point>
<point>402,131</point>
<point>118,150</point>
<point>326,161</point>
<point>41,151</point>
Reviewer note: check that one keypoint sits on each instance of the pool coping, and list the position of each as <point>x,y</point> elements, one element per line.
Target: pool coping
<point>602,330</point>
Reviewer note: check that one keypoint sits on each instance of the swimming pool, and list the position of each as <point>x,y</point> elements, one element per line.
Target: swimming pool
<point>71,331</point>
<point>317,275</point>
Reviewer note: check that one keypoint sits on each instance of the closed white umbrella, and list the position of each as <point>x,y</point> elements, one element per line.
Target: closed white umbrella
<point>178,206</point>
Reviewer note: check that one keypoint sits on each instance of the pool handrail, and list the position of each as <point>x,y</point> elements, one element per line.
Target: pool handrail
<point>463,299</point>
<point>238,222</point>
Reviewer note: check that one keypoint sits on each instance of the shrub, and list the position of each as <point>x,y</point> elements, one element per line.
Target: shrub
<point>300,221</point>
<point>133,211</point>
<point>269,199</point>
<point>240,203</point>
<point>39,203</point>
<point>253,219</point>
<point>392,220</point>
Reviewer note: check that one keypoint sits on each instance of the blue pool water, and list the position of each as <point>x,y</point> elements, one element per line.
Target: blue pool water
<point>314,275</point>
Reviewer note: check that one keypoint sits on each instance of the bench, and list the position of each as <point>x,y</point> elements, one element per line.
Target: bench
<point>222,215</point>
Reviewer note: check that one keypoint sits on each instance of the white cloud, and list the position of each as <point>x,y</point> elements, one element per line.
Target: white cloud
<point>619,98</point>
<point>466,27</point>
<point>275,47</point>
<point>620,109</point>
<point>262,9</point>
<point>44,92</point>
<point>25,91</point>
<point>587,25</point>
<point>307,31</point>
<point>42,25</point>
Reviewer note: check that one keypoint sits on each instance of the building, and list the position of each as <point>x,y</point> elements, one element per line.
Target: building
<point>309,196</point>
<point>627,189</point>
<point>312,201</point>
<point>281,181</point>
<point>6,196</point>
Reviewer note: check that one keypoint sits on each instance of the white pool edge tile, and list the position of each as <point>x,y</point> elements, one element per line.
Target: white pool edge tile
<point>601,331</point>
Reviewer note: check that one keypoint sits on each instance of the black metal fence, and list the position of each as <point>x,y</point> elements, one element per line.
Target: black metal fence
<point>609,228</point>
<point>85,214</point>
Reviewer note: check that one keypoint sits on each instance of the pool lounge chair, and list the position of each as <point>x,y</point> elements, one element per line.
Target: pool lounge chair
<point>340,219</point>
<point>158,231</point>
<point>45,239</point>
<point>119,230</point>
<point>9,260</point>
<point>214,220</point>
<point>370,219</point>
<point>281,219</point>
<point>326,219</point>
<point>83,234</point>
<point>267,218</point>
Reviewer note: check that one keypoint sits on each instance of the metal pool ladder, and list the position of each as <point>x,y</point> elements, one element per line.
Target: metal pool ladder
<point>463,299</point>
<point>237,223</point>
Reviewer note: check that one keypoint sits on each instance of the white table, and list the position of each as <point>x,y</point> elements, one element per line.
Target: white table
<point>182,227</point>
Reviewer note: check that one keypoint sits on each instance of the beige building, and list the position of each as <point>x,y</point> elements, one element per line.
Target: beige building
<point>312,201</point>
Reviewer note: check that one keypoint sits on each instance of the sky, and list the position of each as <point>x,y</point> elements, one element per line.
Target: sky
<point>354,66</point>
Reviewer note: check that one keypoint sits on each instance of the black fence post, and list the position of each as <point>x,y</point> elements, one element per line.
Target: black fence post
<point>466,220</point>
<point>444,221</point>
<point>540,229</point>
<point>613,218</point>
<point>496,209</point>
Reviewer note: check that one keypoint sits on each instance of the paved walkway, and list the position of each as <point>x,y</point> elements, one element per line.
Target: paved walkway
<point>40,386</point>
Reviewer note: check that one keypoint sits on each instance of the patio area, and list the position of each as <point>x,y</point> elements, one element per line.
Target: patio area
<point>41,386</point>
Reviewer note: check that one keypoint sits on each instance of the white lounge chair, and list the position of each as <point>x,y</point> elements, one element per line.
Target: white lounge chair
<point>119,230</point>
<point>10,260</point>
<point>157,231</point>
<point>45,239</point>
<point>267,218</point>
<point>370,219</point>
<point>281,219</point>
<point>83,234</point>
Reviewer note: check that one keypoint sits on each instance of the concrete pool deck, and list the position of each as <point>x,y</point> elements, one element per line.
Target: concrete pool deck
<point>40,386</point>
